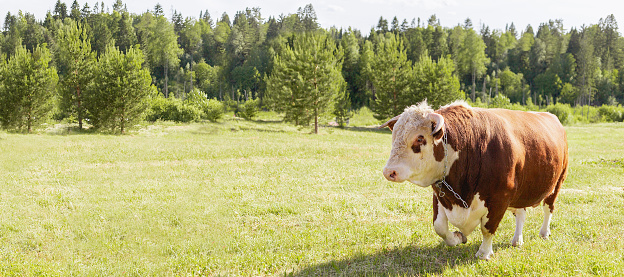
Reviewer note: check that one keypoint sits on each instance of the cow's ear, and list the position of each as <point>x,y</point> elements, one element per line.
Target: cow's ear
<point>390,123</point>
<point>437,125</point>
<point>439,133</point>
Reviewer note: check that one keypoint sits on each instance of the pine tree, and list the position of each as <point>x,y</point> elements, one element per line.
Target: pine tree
<point>306,78</point>
<point>120,91</point>
<point>27,86</point>
<point>435,81</point>
<point>76,62</point>
<point>390,75</point>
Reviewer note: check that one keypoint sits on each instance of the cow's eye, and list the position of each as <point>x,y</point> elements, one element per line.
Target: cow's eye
<point>420,140</point>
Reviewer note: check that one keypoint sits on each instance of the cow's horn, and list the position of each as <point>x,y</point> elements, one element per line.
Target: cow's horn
<point>439,121</point>
<point>390,123</point>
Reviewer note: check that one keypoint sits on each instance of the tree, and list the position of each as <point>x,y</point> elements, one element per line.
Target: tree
<point>27,84</point>
<point>472,59</point>
<point>120,91</point>
<point>60,10</point>
<point>351,69</point>
<point>436,82</point>
<point>206,78</point>
<point>390,76</point>
<point>306,78</point>
<point>512,85</point>
<point>75,11</point>
<point>160,44</point>
<point>76,61</point>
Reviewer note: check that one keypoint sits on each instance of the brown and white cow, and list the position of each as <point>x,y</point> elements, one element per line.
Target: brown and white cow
<point>493,160</point>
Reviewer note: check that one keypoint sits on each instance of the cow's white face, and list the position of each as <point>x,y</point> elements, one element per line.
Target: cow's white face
<point>412,157</point>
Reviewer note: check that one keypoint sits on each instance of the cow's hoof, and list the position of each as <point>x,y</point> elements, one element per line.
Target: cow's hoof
<point>517,242</point>
<point>544,233</point>
<point>461,236</point>
<point>484,255</point>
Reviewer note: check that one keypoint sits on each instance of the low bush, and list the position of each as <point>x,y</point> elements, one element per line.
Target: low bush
<point>562,111</point>
<point>172,109</point>
<point>249,109</point>
<point>611,113</point>
<point>214,110</point>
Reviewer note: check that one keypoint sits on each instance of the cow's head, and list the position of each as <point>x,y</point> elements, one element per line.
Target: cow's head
<point>415,134</point>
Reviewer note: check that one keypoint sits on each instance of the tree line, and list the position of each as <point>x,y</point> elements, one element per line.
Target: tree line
<point>290,64</point>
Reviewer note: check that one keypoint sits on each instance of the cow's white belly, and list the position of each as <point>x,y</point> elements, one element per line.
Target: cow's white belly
<point>466,220</point>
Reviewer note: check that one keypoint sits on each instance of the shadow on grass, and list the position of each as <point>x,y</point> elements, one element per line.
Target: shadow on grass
<point>409,261</point>
<point>367,129</point>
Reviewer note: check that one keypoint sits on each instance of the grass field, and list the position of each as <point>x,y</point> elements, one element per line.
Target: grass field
<point>265,198</point>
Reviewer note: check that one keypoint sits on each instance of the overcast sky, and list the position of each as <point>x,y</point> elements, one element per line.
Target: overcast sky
<point>364,14</point>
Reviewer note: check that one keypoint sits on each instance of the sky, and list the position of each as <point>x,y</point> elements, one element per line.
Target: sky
<point>364,14</point>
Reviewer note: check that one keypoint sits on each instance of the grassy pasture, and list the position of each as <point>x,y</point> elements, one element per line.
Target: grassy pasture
<point>265,198</point>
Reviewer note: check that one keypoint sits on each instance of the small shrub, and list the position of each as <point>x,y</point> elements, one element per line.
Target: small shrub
<point>196,98</point>
<point>500,101</point>
<point>249,109</point>
<point>185,113</point>
<point>562,111</point>
<point>610,113</point>
<point>586,114</point>
<point>172,109</point>
<point>214,110</point>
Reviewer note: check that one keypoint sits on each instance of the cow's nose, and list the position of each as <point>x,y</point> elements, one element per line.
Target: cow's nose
<point>390,175</point>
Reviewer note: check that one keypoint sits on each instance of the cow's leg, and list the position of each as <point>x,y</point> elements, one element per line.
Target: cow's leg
<point>520,217</point>
<point>549,203</point>
<point>489,224</point>
<point>485,250</point>
<point>545,230</point>
<point>440,225</point>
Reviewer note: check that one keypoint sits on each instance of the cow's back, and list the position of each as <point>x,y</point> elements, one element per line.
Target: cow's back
<point>508,155</point>
<point>537,156</point>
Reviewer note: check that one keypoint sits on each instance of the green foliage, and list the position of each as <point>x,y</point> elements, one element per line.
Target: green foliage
<point>196,98</point>
<point>562,111</point>
<point>120,91</point>
<point>500,101</point>
<point>27,86</point>
<point>436,82</point>
<point>472,59</point>
<point>160,45</point>
<point>391,75</point>
<point>76,62</point>
<point>173,109</point>
<point>611,113</point>
<point>214,110</point>
<point>306,78</point>
<point>342,110</point>
<point>248,109</point>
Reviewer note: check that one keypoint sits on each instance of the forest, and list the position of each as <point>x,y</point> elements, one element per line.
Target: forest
<point>109,67</point>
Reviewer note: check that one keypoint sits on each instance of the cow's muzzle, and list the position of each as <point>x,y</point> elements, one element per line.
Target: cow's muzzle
<point>391,174</point>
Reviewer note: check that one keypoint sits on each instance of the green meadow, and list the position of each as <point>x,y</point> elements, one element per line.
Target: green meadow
<point>258,198</point>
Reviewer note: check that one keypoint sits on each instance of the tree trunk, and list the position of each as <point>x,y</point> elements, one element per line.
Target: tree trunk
<point>483,91</point>
<point>316,121</point>
<point>474,86</point>
<point>79,108</point>
<point>167,78</point>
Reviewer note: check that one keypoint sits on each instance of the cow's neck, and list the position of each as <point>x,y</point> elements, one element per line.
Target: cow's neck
<point>447,189</point>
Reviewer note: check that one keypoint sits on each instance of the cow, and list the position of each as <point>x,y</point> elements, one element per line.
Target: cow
<point>480,163</point>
